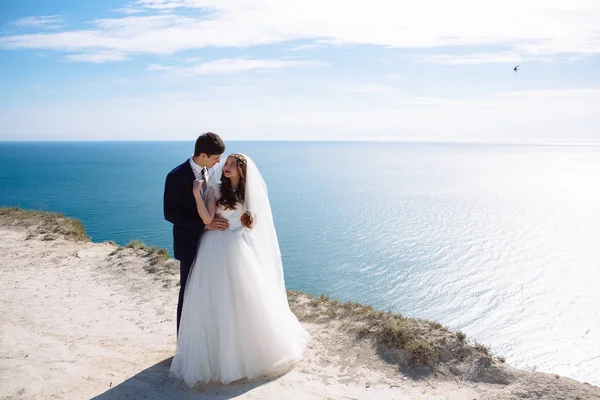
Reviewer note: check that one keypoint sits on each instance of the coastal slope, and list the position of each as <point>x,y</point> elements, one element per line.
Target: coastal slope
<point>96,320</point>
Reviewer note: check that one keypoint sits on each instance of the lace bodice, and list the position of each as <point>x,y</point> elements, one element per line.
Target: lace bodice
<point>233,216</point>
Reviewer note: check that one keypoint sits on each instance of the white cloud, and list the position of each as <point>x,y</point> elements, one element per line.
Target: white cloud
<point>555,95</point>
<point>504,57</point>
<point>157,67</point>
<point>128,10</point>
<point>302,47</point>
<point>232,66</point>
<point>370,88</point>
<point>161,4</point>
<point>526,27</point>
<point>46,21</point>
<point>471,59</point>
<point>192,59</point>
<point>132,26</point>
<point>98,58</point>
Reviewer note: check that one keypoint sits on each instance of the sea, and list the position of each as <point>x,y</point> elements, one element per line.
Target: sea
<point>501,242</point>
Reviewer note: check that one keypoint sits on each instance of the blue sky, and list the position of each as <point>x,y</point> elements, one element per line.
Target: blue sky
<point>427,71</point>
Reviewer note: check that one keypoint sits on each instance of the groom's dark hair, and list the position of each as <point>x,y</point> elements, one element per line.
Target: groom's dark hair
<point>210,144</point>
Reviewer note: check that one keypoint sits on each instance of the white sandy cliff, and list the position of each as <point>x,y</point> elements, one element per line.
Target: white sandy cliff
<point>82,320</point>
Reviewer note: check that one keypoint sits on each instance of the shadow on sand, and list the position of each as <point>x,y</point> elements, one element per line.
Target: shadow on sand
<point>155,383</point>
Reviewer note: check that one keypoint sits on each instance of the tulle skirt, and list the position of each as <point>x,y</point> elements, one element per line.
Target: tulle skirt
<point>235,323</point>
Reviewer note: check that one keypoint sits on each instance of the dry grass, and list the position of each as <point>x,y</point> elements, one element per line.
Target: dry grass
<point>156,254</point>
<point>51,226</point>
<point>48,224</point>
<point>156,260</point>
<point>413,344</point>
<point>159,260</point>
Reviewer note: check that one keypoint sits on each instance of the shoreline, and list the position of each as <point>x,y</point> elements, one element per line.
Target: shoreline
<point>80,319</point>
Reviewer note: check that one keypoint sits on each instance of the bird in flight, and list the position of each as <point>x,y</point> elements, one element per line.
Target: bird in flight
<point>516,69</point>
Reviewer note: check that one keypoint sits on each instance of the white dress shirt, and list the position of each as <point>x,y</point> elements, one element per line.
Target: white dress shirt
<point>196,168</point>
<point>198,175</point>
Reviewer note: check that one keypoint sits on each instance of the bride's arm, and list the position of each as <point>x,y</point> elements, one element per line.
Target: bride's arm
<point>206,211</point>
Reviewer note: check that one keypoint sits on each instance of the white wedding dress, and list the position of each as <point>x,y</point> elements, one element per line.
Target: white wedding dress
<point>235,321</point>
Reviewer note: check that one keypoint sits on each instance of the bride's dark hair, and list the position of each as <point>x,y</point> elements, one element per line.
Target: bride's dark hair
<point>229,198</point>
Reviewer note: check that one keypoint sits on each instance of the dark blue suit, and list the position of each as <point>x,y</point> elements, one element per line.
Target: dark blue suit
<point>179,207</point>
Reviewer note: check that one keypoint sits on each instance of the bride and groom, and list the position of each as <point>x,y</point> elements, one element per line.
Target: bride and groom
<point>233,317</point>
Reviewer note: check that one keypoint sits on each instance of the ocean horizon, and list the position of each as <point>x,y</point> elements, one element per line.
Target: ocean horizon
<point>496,240</point>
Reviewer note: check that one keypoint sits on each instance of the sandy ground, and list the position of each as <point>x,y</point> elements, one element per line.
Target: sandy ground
<point>81,321</point>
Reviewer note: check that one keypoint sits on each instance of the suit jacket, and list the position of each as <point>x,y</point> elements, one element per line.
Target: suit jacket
<point>179,207</point>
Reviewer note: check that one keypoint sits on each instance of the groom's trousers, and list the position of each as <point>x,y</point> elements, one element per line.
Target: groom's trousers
<point>185,264</point>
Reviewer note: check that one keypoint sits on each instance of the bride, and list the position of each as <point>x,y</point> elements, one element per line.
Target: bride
<point>236,322</point>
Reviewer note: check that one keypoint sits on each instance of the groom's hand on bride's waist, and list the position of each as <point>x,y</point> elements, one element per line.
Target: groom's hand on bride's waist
<point>218,224</point>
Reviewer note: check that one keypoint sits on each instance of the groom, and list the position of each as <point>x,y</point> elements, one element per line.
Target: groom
<point>179,205</point>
